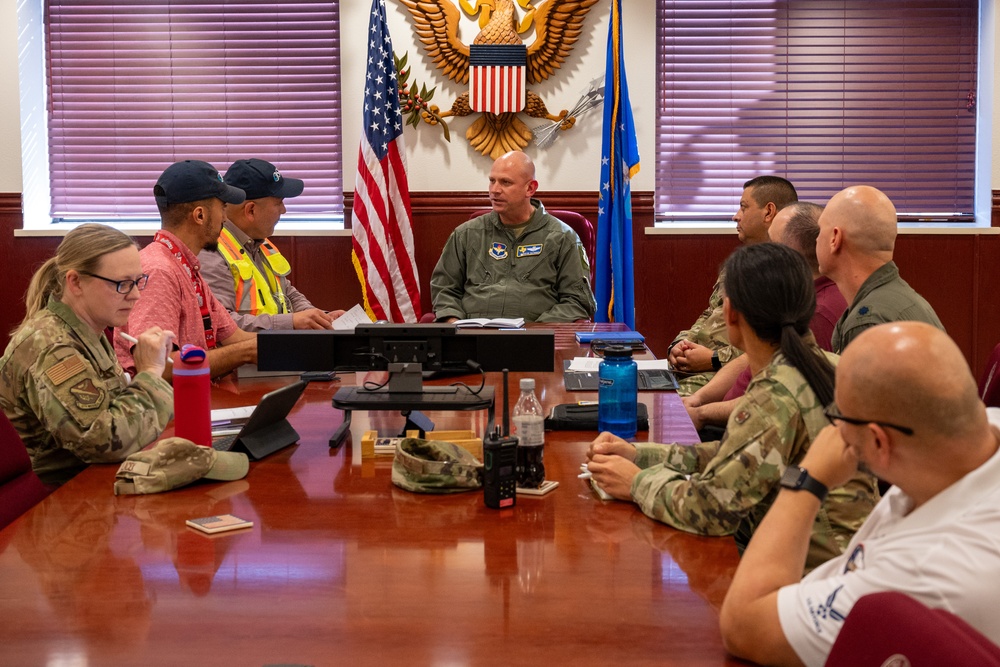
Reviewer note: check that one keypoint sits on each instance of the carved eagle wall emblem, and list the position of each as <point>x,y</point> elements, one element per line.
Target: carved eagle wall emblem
<point>499,63</point>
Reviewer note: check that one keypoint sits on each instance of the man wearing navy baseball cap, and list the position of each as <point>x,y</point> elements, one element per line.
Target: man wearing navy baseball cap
<point>192,197</point>
<point>247,272</point>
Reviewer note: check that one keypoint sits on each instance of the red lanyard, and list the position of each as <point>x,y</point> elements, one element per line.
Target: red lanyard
<point>199,289</point>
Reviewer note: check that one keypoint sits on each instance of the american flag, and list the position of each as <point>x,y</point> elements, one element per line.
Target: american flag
<point>383,239</point>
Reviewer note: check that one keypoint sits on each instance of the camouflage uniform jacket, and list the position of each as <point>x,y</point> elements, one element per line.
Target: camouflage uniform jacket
<point>69,399</point>
<point>883,297</point>
<point>484,271</point>
<point>725,487</point>
<point>708,330</point>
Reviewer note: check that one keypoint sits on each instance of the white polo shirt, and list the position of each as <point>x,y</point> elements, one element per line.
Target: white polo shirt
<point>946,554</point>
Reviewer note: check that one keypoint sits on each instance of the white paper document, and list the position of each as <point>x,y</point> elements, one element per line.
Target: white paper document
<point>592,364</point>
<point>352,318</point>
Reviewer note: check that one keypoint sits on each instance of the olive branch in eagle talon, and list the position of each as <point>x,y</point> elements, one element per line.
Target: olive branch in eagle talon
<point>413,104</point>
<point>557,25</point>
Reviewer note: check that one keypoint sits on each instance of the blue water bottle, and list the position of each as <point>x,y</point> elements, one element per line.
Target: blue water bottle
<point>617,394</point>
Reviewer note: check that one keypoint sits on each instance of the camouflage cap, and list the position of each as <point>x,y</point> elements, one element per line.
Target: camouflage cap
<point>433,466</point>
<point>176,462</point>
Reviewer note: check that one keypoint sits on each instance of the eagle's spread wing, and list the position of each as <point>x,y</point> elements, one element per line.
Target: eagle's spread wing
<point>437,26</point>
<point>557,27</point>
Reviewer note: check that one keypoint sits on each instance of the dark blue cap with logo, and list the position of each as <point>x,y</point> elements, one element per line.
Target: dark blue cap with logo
<point>260,178</point>
<point>193,180</point>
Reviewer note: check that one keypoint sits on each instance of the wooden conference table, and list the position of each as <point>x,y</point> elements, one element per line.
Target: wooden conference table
<point>342,567</point>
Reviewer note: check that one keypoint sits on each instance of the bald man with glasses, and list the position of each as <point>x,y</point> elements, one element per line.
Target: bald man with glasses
<point>906,408</point>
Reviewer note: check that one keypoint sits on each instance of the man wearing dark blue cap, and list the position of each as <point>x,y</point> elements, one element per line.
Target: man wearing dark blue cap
<point>191,197</point>
<point>247,273</point>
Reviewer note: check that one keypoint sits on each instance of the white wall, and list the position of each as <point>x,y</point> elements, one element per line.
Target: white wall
<point>10,115</point>
<point>571,164</point>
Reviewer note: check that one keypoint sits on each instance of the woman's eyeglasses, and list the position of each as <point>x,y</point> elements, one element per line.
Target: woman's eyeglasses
<point>122,286</point>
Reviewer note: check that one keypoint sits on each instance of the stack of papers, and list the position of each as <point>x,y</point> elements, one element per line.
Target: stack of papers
<point>351,319</point>
<point>593,364</point>
<point>495,323</point>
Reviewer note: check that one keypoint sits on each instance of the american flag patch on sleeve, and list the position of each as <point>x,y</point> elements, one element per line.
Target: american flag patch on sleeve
<point>66,369</point>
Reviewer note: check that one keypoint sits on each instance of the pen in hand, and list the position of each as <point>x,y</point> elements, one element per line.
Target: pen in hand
<point>134,341</point>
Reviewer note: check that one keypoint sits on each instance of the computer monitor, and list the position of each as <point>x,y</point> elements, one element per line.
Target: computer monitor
<point>436,347</point>
<point>405,350</point>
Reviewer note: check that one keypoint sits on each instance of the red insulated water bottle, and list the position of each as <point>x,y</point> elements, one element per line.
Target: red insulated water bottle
<point>193,397</point>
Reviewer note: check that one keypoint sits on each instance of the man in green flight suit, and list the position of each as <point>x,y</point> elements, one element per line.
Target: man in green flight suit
<point>516,261</point>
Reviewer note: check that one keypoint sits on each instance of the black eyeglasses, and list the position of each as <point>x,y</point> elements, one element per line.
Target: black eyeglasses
<point>122,286</point>
<point>832,412</point>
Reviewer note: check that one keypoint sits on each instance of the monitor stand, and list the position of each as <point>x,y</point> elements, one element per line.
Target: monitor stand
<point>405,392</point>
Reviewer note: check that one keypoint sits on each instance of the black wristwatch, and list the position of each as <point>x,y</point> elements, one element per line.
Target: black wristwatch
<point>716,364</point>
<point>798,479</point>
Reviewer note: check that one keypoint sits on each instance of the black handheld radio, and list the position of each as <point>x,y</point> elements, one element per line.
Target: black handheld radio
<point>500,462</point>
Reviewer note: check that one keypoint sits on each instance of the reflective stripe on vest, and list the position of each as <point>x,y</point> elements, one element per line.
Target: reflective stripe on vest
<point>256,292</point>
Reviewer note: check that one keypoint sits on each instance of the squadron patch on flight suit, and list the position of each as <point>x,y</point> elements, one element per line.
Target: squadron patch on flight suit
<point>498,251</point>
<point>529,250</point>
<point>87,395</point>
<point>65,369</point>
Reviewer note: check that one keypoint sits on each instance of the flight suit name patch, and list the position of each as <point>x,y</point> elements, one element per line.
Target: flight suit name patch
<point>529,250</point>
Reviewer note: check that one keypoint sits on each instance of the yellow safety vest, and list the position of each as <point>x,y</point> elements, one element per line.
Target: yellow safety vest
<point>257,292</point>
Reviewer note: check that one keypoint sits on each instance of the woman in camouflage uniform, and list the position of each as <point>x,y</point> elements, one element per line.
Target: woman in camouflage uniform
<point>60,382</point>
<point>725,487</point>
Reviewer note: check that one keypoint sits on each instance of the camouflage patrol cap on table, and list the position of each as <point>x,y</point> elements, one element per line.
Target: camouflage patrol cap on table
<point>176,462</point>
<point>433,466</point>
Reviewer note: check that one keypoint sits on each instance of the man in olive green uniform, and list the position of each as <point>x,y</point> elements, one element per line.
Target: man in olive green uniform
<point>857,237</point>
<point>516,261</point>
<point>725,487</point>
<point>704,348</point>
<point>67,396</point>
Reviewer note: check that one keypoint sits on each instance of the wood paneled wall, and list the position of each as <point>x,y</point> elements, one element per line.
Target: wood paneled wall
<point>674,273</point>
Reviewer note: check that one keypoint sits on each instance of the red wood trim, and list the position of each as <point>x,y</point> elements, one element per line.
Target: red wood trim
<point>10,202</point>
<point>995,209</point>
<point>462,204</point>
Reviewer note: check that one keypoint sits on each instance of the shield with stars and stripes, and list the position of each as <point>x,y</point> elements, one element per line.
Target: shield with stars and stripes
<point>496,77</point>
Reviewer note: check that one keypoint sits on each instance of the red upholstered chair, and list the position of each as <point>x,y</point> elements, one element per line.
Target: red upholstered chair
<point>891,624</point>
<point>989,383</point>
<point>20,488</point>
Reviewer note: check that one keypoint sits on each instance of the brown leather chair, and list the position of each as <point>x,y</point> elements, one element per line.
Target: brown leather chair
<point>20,488</point>
<point>893,625</point>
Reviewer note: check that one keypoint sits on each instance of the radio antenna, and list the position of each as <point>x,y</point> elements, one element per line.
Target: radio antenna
<point>506,410</point>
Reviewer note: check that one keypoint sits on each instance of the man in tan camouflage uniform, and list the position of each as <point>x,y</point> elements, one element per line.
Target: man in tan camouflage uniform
<point>704,348</point>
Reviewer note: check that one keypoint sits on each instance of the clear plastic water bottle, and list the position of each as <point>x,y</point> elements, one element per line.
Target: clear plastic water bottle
<point>529,427</point>
<point>617,393</point>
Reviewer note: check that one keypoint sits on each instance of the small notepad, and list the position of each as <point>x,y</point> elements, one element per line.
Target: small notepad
<point>219,524</point>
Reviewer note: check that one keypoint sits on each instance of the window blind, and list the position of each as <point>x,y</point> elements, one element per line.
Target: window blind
<point>135,86</point>
<point>828,93</point>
